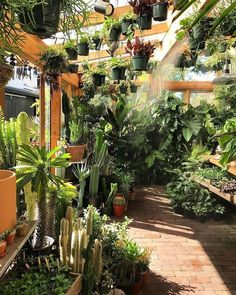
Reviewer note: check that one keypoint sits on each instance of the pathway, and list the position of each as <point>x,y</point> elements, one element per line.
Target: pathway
<point>188,257</point>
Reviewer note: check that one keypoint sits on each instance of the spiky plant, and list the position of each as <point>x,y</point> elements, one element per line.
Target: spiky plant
<point>37,164</point>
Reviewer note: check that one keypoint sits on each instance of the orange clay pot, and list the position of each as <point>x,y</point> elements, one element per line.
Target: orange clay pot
<point>76,152</point>
<point>7,200</point>
<point>10,238</point>
<point>3,246</point>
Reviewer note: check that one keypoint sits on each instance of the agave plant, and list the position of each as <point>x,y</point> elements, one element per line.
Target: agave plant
<point>139,47</point>
<point>37,164</point>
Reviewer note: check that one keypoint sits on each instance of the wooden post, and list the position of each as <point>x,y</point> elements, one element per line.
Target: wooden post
<point>187,96</point>
<point>56,114</point>
<point>42,111</point>
<point>2,98</point>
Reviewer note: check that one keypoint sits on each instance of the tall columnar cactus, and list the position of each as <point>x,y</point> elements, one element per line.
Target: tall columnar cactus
<point>75,249</point>
<point>98,263</point>
<point>63,239</point>
<point>89,226</point>
<point>94,180</point>
<point>69,218</point>
<point>83,246</point>
<point>98,143</point>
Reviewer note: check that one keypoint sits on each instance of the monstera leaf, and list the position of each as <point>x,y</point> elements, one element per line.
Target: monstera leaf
<point>192,128</point>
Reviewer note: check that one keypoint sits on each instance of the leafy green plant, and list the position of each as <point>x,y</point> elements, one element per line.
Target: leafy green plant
<point>118,62</point>
<point>54,61</point>
<point>109,24</point>
<point>82,172</point>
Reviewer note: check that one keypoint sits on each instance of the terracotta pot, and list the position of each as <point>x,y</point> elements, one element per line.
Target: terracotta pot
<point>118,210</point>
<point>144,276</point>
<point>3,246</point>
<point>136,287</point>
<point>10,238</point>
<point>7,200</point>
<point>76,152</point>
<point>22,230</point>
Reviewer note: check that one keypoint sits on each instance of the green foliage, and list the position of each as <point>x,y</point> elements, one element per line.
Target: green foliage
<point>54,61</point>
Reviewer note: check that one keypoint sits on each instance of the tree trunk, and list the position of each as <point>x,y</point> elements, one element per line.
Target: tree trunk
<point>51,208</point>
<point>42,222</point>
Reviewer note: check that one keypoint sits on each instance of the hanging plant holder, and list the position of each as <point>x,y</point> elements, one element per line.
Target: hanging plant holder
<point>118,73</point>
<point>222,47</point>
<point>140,62</point>
<point>160,11</point>
<point>72,53</point>
<point>145,21</point>
<point>133,88</point>
<point>83,49</point>
<point>98,79</point>
<point>123,89</point>
<point>97,43</point>
<point>43,20</point>
<point>114,34</point>
<point>73,69</point>
<point>104,8</point>
<point>126,24</point>
<point>179,62</point>
<point>6,73</point>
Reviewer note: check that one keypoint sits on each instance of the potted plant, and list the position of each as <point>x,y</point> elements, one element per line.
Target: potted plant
<point>54,61</point>
<point>133,88</point>
<point>38,164</point>
<point>222,47</point>
<point>140,52</point>
<point>96,41</point>
<point>123,87</point>
<point>104,7</point>
<point>143,9</point>
<point>83,44</point>
<point>3,245</point>
<point>6,72</point>
<point>119,205</point>
<point>118,68</point>
<point>160,10</point>
<point>71,49</point>
<point>127,21</point>
<point>108,202</point>
<point>112,29</point>
<point>10,236</point>
<point>98,74</point>
<point>22,227</point>
<point>142,265</point>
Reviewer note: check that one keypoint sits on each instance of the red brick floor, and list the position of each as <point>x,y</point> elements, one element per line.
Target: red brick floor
<point>188,257</point>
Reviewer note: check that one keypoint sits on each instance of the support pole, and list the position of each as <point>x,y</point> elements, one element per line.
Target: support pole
<point>42,111</point>
<point>2,98</point>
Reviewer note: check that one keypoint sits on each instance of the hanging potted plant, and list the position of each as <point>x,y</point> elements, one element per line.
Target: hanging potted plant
<point>127,22</point>
<point>222,47</point>
<point>6,72</point>
<point>104,7</point>
<point>83,44</point>
<point>160,10</point>
<point>3,245</point>
<point>141,52</point>
<point>143,9</point>
<point>118,68</point>
<point>98,74</point>
<point>123,87</point>
<point>71,49</point>
<point>54,61</point>
<point>112,29</point>
<point>96,41</point>
<point>118,205</point>
<point>133,88</point>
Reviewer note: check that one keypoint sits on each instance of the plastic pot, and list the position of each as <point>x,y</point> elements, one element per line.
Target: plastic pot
<point>160,11</point>
<point>118,73</point>
<point>45,19</point>
<point>10,238</point>
<point>83,49</point>
<point>222,47</point>
<point>145,21</point>
<point>76,152</point>
<point>123,89</point>
<point>133,89</point>
<point>104,8</point>
<point>114,34</point>
<point>98,79</point>
<point>47,249</point>
<point>97,42</point>
<point>140,62</point>
<point>125,26</point>
<point>74,69</point>
<point>179,62</point>
<point>72,53</point>
<point>118,210</point>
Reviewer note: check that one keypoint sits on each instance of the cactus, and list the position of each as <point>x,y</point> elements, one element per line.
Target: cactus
<point>89,226</point>
<point>100,160</point>
<point>75,250</point>
<point>98,143</point>
<point>64,236</point>
<point>69,217</point>
<point>94,179</point>
<point>83,246</point>
<point>98,264</point>
<point>112,193</point>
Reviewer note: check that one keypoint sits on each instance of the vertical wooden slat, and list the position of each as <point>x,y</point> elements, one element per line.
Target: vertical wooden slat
<point>42,111</point>
<point>187,96</point>
<point>56,114</point>
<point>2,98</point>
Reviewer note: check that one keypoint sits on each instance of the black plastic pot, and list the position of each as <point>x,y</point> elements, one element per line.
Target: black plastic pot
<point>46,250</point>
<point>160,11</point>
<point>133,88</point>
<point>222,47</point>
<point>98,79</point>
<point>145,21</point>
<point>72,53</point>
<point>74,69</point>
<point>123,89</point>
<point>45,19</point>
<point>114,34</point>
<point>140,63</point>
<point>178,4</point>
<point>83,49</point>
<point>97,42</point>
<point>104,8</point>
<point>218,67</point>
<point>118,73</point>
<point>179,62</point>
<point>125,26</point>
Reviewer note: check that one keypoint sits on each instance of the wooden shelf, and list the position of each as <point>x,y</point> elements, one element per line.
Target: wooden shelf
<point>13,250</point>
<point>206,183</point>
<point>231,170</point>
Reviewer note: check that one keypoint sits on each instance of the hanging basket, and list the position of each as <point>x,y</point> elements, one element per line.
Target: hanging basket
<point>6,72</point>
<point>97,43</point>
<point>72,53</point>
<point>145,21</point>
<point>104,8</point>
<point>98,79</point>
<point>83,49</point>
<point>133,88</point>
<point>73,68</point>
<point>118,73</point>
<point>123,89</point>
<point>114,34</point>
<point>125,26</point>
<point>140,62</point>
<point>160,11</point>
<point>222,47</point>
<point>43,20</point>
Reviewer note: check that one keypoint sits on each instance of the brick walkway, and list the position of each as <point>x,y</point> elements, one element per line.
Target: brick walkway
<point>188,257</point>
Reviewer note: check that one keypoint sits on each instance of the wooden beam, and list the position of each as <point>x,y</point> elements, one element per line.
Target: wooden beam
<point>55,114</point>
<point>42,111</point>
<point>2,98</point>
<point>192,86</point>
